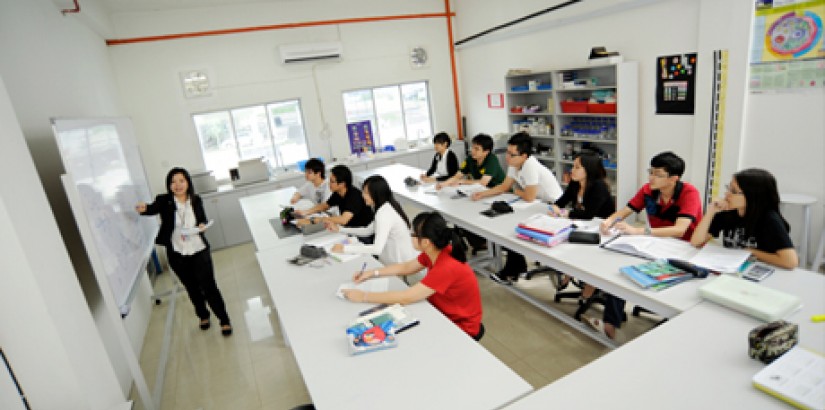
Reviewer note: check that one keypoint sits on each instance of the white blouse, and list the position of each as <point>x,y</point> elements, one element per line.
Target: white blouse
<point>393,242</point>
<point>185,218</point>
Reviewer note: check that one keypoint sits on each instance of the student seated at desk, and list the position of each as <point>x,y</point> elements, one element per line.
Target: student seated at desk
<point>449,285</point>
<point>748,217</point>
<point>354,211</point>
<point>316,189</point>
<point>482,168</point>
<point>673,209</point>
<point>445,163</point>
<point>528,179</point>
<point>391,227</point>
<point>588,196</point>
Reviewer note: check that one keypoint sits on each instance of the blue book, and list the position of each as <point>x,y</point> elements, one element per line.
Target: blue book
<point>656,275</point>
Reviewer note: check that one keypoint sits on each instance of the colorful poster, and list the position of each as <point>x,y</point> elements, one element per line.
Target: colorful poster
<point>675,84</point>
<point>360,137</point>
<point>788,46</point>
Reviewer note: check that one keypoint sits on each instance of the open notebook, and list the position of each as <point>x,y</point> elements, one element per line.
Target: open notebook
<point>651,247</point>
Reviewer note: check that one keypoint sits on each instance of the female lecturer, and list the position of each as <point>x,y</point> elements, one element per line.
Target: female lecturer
<point>182,222</point>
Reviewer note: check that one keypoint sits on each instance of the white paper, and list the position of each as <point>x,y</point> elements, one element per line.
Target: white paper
<point>372,285</point>
<point>720,259</point>
<point>653,247</point>
<point>196,230</point>
<point>329,240</point>
<point>546,223</point>
<point>507,197</point>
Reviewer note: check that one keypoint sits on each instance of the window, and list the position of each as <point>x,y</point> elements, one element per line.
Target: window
<point>395,111</point>
<point>274,131</point>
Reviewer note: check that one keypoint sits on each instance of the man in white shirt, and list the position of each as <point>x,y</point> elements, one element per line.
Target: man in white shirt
<point>533,181</point>
<point>316,189</point>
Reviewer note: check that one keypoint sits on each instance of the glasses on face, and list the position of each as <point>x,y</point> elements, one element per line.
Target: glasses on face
<point>332,181</point>
<point>733,191</point>
<point>656,174</point>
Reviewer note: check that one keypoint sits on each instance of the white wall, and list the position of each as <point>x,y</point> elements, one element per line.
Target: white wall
<point>48,334</point>
<point>245,70</point>
<point>644,31</point>
<point>58,66</point>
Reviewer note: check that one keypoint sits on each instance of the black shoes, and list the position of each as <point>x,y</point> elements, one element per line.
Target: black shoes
<point>226,330</point>
<point>205,324</point>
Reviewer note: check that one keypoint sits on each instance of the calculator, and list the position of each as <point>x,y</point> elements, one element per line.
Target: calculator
<point>757,272</point>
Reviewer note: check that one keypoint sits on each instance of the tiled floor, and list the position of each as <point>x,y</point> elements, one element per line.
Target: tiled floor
<point>253,369</point>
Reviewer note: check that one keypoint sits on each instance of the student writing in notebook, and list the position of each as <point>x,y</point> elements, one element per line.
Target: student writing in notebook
<point>748,217</point>
<point>587,196</point>
<point>449,285</point>
<point>391,227</point>
<point>528,179</point>
<point>673,209</point>
<point>445,163</point>
<point>316,188</point>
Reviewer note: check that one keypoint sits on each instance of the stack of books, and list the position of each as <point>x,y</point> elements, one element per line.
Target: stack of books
<point>544,229</point>
<point>656,275</point>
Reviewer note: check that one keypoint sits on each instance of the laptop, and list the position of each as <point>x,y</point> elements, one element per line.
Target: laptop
<point>750,298</point>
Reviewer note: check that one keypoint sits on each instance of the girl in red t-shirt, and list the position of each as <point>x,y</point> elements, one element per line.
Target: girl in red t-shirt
<point>450,284</point>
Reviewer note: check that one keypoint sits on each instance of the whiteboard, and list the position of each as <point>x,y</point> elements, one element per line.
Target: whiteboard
<point>104,181</point>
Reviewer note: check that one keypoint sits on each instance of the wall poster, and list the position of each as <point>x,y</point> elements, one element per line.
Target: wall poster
<point>360,137</point>
<point>676,84</point>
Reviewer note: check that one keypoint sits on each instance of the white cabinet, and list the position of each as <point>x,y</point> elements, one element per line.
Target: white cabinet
<point>235,228</point>
<point>553,107</point>
<point>215,232</point>
<point>410,159</point>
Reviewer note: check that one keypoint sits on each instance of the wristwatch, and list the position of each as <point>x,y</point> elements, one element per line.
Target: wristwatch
<point>375,274</point>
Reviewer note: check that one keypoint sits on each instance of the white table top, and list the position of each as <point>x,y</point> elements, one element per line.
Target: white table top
<point>592,264</point>
<point>435,364</point>
<point>259,209</point>
<point>698,360</point>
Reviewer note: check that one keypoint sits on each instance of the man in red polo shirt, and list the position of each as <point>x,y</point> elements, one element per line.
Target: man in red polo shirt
<point>673,209</point>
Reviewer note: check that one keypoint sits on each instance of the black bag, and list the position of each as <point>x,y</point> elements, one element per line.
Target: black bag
<point>589,238</point>
<point>498,208</point>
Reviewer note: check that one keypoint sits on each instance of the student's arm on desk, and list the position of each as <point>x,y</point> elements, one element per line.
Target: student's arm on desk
<point>783,258</point>
<point>609,222</point>
<point>527,194</point>
<point>498,189</point>
<point>398,269</point>
<point>412,294</point>
<point>453,180</point>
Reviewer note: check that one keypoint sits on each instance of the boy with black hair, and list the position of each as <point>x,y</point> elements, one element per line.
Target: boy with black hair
<point>673,208</point>
<point>482,168</point>
<point>316,189</point>
<point>354,211</point>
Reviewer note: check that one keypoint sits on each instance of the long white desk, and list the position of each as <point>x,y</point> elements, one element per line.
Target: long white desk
<point>698,360</point>
<point>259,209</point>
<point>435,363</point>
<point>594,265</point>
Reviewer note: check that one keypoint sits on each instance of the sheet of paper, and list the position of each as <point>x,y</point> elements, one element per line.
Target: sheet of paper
<point>329,240</point>
<point>196,230</point>
<point>372,285</point>
<point>508,197</point>
<point>720,259</point>
<point>653,247</point>
<point>588,226</point>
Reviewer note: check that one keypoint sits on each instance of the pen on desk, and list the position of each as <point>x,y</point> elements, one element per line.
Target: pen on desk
<point>818,318</point>
<point>407,326</point>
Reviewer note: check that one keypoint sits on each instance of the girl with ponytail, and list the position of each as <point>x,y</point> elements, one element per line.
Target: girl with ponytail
<point>450,284</point>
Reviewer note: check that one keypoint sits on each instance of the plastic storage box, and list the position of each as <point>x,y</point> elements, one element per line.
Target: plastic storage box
<point>573,106</point>
<point>605,108</point>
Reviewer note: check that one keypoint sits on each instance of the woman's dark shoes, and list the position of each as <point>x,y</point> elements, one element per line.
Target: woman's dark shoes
<point>226,330</point>
<point>205,324</point>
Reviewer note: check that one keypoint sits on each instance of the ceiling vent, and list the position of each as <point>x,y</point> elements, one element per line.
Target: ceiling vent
<point>302,53</point>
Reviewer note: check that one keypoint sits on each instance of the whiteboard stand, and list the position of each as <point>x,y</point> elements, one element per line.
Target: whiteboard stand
<point>113,311</point>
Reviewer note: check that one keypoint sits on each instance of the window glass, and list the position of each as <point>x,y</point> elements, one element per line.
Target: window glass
<point>396,111</point>
<point>416,111</point>
<point>273,131</point>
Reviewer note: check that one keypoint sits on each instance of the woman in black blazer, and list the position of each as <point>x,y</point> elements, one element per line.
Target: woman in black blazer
<point>182,222</point>
<point>444,162</point>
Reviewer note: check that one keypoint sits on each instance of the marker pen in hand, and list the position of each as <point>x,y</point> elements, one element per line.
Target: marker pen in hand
<point>615,221</point>
<point>364,266</point>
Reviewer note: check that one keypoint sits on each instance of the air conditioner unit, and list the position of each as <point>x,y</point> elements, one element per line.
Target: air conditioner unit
<point>300,53</point>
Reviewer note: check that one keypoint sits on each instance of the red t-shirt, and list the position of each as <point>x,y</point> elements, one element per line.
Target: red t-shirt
<point>456,290</point>
<point>684,204</point>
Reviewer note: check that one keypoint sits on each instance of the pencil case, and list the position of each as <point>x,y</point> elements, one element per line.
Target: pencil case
<point>771,340</point>
<point>589,238</point>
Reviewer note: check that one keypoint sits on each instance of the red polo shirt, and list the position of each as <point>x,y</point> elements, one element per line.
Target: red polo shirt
<point>685,203</point>
<point>456,290</point>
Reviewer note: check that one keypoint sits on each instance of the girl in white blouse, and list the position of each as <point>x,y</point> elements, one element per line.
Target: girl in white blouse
<point>391,227</point>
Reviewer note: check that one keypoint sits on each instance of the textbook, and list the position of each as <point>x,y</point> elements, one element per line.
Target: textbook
<point>651,247</point>
<point>543,238</point>
<point>796,378</point>
<point>546,224</point>
<point>656,275</point>
<point>375,328</point>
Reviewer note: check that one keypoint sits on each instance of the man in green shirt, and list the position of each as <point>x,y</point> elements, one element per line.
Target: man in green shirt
<point>483,168</point>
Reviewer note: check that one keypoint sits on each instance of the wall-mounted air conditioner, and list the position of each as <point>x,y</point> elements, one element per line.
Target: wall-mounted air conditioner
<point>300,53</point>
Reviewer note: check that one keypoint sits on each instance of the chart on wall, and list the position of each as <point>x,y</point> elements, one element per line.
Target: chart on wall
<point>676,84</point>
<point>360,137</point>
<point>788,47</point>
<point>104,181</point>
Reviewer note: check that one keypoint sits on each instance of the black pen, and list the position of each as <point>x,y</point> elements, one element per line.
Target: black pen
<point>407,326</point>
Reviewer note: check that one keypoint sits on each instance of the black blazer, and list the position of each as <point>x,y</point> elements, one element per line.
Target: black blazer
<point>165,206</point>
<point>452,166</point>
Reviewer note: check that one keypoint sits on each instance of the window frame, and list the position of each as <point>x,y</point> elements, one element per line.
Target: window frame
<point>377,131</point>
